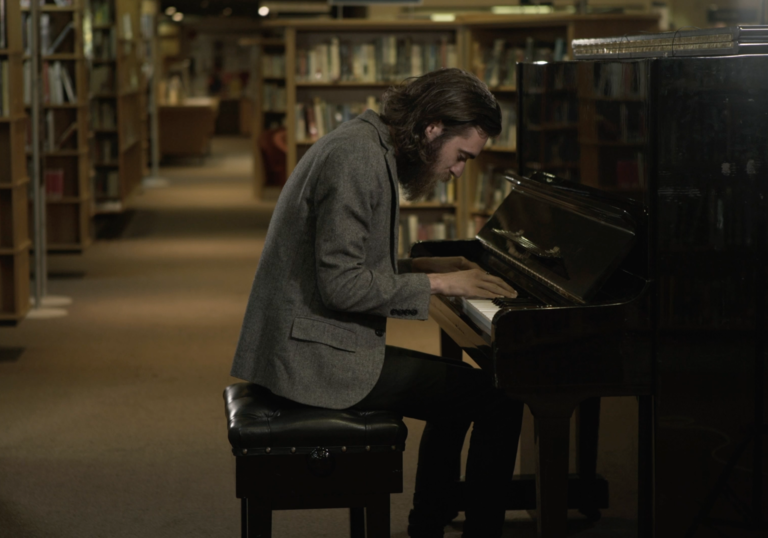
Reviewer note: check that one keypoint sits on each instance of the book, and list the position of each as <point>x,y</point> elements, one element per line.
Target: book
<point>66,82</point>
<point>127,27</point>
<point>27,68</point>
<point>60,38</point>
<point>67,134</point>
<point>50,130</point>
<point>5,89</point>
<point>45,31</point>
<point>54,183</point>
<point>3,38</point>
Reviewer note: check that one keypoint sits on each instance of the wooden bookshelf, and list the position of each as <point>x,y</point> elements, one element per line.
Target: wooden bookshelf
<point>493,44</point>
<point>353,83</point>
<point>474,37</point>
<point>14,180</point>
<point>118,106</point>
<point>65,128</point>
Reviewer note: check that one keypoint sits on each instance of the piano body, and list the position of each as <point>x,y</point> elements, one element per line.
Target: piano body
<point>636,235</point>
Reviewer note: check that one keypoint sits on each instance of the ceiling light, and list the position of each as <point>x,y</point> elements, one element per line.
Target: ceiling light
<point>178,16</point>
<point>263,11</point>
<point>170,10</point>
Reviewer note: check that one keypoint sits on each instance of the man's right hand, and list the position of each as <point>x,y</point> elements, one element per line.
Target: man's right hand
<point>471,283</point>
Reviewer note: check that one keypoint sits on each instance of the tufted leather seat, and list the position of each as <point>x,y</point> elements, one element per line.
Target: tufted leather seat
<point>262,423</point>
<point>293,456</point>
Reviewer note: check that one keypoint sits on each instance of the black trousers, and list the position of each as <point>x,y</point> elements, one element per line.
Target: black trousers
<point>450,396</point>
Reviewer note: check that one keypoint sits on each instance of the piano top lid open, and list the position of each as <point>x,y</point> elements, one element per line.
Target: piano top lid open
<point>569,244</point>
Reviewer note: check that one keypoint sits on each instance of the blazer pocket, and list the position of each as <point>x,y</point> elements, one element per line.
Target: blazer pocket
<point>314,330</point>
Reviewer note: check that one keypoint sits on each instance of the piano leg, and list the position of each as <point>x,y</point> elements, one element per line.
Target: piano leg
<point>552,425</point>
<point>587,433</point>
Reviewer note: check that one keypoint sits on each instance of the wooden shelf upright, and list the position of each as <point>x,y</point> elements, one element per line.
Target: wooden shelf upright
<point>268,98</point>
<point>14,181</point>
<point>65,129</point>
<point>493,45</point>
<point>117,104</point>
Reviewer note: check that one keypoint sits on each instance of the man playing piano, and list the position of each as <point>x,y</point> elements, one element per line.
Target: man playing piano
<point>328,279</point>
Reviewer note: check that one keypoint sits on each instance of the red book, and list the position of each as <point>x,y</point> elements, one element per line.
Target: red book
<point>54,184</point>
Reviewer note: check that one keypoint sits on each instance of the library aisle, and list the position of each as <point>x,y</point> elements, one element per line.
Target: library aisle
<point>112,419</point>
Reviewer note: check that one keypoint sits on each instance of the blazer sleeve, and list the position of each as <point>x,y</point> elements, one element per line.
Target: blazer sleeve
<point>347,193</point>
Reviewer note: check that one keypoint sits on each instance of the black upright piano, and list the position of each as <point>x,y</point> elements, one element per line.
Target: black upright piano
<point>635,233</point>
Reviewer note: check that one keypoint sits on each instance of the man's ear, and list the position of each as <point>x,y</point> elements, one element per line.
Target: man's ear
<point>433,130</point>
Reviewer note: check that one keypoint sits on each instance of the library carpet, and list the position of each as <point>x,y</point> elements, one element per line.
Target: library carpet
<point>112,418</point>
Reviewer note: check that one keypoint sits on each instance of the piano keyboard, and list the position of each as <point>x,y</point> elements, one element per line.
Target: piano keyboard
<point>481,311</point>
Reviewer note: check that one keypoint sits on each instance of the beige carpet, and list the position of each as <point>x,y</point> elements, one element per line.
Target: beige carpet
<point>111,421</point>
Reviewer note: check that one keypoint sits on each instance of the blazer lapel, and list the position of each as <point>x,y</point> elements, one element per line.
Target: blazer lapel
<point>371,117</point>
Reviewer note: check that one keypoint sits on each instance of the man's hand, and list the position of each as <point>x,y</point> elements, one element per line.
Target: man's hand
<point>442,265</point>
<point>470,283</point>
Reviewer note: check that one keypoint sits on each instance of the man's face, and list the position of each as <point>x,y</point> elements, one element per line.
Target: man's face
<point>450,154</point>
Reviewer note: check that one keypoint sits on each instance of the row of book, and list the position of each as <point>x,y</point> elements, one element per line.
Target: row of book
<point>5,88</point>
<point>48,43</point>
<point>54,183</point>
<point>106,184</point>
<point>496,65</point>
<point>103,115</point>
<point>58,87</point>
<point>101,12</point>
<point>508,136</point>
<point>412,229</point>
<point>387,59</point>
<point>490,190</point>
<point>273,98</point>
<point>319,118</point>
<point>102,79</point>
<point>273,65</point>
<point>105,150</point>
<point>56,137</point>
<point>104,44</point>
<point>25,4</point>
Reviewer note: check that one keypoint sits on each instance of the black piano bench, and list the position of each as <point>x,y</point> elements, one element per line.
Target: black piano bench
<point>291,456</point>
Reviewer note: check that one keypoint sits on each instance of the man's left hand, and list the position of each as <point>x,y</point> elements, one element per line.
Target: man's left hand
<point>443,265</point>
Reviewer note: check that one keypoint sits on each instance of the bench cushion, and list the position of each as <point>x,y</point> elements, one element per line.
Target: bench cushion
<point>261,423</point>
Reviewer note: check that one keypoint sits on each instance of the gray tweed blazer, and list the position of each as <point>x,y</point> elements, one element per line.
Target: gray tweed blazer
<point>315,325</point>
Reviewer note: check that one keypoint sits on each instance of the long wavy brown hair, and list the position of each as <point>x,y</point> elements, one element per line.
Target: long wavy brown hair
<point>452,96</point>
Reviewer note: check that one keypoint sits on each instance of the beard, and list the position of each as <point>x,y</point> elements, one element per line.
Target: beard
<point>418,178</point>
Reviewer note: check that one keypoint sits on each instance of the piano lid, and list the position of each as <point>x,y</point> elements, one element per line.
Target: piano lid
<point>569,244</point>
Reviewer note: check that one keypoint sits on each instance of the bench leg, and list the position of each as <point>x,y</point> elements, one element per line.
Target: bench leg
<point>357,522</point>
<point>377,516</point>
<point>257,521</point>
